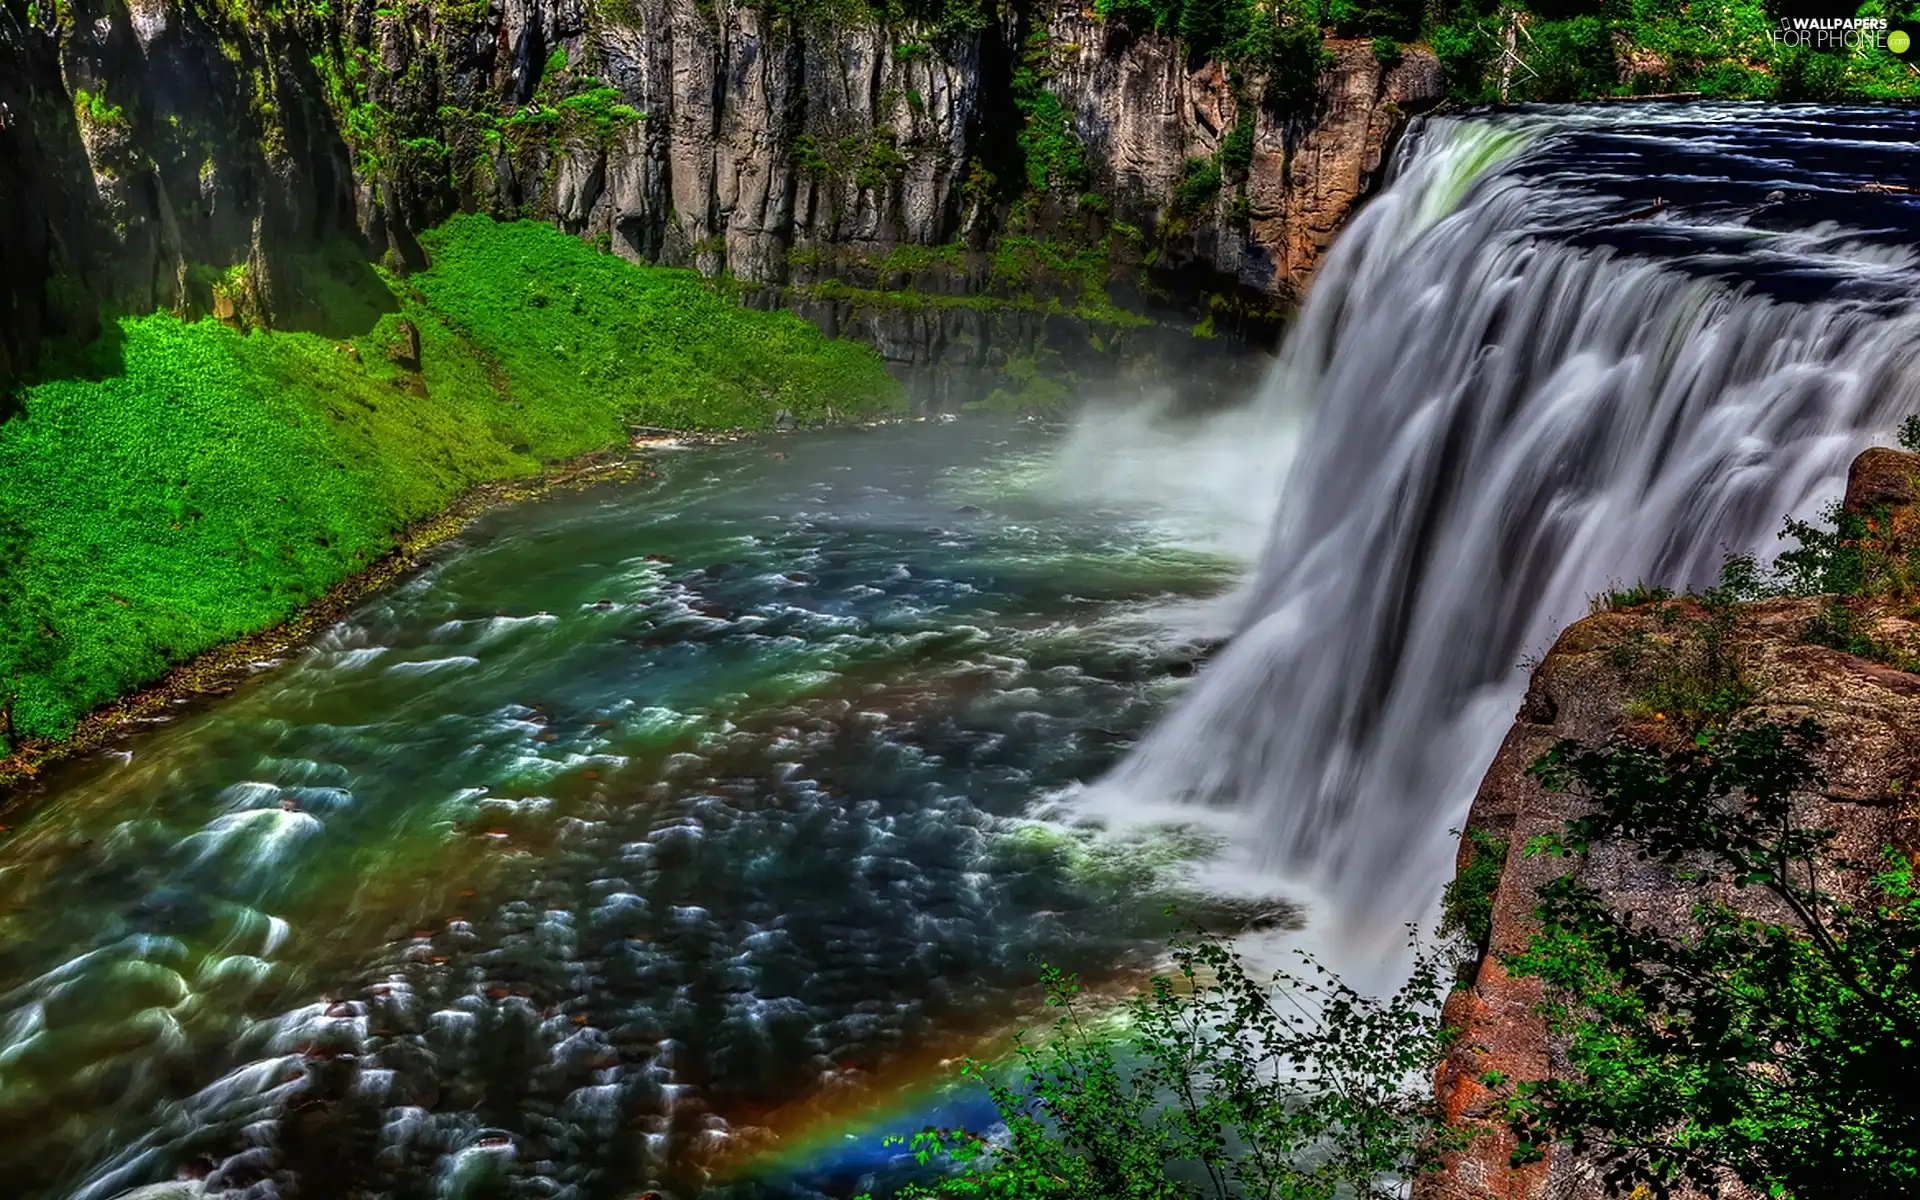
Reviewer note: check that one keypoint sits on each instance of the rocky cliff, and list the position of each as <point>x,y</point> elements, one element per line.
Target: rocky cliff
<point>1585,689</point>
<point>1031,193</point>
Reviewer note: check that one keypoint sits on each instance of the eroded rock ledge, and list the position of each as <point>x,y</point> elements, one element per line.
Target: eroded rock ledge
<point>1871,760</point>
<point>167,154</point>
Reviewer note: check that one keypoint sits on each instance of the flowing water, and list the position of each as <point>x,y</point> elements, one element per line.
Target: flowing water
<point>1565,348</point>
<point>664,834</point>
<point>651,823</point>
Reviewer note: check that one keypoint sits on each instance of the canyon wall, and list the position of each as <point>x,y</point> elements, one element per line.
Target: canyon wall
<point>1871,760</point>
<point>1035,195</point>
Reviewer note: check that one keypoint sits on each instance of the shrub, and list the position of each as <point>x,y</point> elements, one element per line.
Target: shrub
<point>1214,1084</point>
<point>1465,49</point>
<point>1779,1047</point>
<point>1836,626</point>
<point>1909,436</point>
<point>1636,596</point>
<point>1293,57</point>
<point>1805,74</point>
<point>1567,60</point>
<point>1697,672</point>
<point>1198,184</point>
<point>1236,149</point>
<point>1466,904</point>
<point>92,109</point>
<point>1051,152</point>
<point>1399,19</point>
<point>1732,81</point>
<point>1386,51</point>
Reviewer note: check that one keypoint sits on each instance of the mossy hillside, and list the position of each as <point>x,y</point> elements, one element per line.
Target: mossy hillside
<point>650,344</point>
<point>183,484</point>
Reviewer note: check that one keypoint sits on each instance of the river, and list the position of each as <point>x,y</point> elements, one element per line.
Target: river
<point>677,833</point>
<point>653,830</point>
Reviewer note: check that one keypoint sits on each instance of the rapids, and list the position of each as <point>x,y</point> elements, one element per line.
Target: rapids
<point>665,834</point>
<point>650,830</point>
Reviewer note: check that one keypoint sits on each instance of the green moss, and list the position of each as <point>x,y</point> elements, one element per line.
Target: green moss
<point>1030,389</point>
<point>181,484</point>
<point>1466,905</point>
<point>1197,186</point>
<point>92,109</point>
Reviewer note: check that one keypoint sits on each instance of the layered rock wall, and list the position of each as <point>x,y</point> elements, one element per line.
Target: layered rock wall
<point>185,154</point>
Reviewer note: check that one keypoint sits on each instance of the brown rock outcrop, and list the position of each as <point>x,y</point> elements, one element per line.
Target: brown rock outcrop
<point>1871,760</point>
<point>1885,483</point>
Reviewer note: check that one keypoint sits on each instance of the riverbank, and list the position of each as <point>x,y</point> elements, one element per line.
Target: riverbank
<point>222,668</point>
<point>177,487</point>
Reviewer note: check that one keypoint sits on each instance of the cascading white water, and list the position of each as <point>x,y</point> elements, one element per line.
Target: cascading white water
<point>1561,349</point>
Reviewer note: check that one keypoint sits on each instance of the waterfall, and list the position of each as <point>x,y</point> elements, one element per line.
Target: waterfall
<point>1560,349</point>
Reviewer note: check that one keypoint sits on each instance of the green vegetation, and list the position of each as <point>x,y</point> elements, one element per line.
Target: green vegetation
<point>1236,149</point>
<point>1033,389</point>
<point>1777,1041</point>
<point>1051,154</point>
<point>176,485</point>
<point>92,109</point>
<point>1694,672</point>
<point>1837,626</point>
<point>1584,49</point>
<point>930,18</point>
<point>1212,1084</point>
<point>1466,904</point>
<point>1198,185</point>
<point>1636,596</point>
<point>1250,37</point>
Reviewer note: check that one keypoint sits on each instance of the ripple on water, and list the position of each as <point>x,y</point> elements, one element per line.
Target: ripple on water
<point>729,839</point>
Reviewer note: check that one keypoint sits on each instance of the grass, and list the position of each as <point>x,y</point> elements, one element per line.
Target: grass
<point>1693,670</point>
<point>1620,596</point>
<point>180,484</point>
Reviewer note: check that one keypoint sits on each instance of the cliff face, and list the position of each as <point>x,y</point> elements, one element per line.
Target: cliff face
<point>1046,193</point>
<point>1871,714</point>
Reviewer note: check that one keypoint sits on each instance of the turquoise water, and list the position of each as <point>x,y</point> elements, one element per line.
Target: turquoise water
<point>649,832</point>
